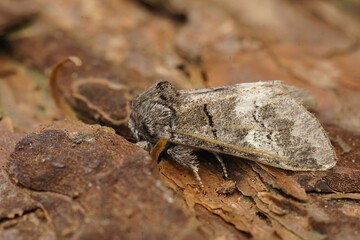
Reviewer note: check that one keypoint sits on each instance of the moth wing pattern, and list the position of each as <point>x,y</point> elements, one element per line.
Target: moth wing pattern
<point>257,121</point>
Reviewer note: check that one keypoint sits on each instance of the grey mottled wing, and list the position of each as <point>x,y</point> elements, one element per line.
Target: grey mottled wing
<point>257,121</point>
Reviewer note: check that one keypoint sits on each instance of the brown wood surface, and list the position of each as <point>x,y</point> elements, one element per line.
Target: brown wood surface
<point>73,179</point>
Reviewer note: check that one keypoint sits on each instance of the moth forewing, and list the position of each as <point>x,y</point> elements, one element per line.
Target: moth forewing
<point>302,96</point>
<point>258,121</point>
<point>216,146</point>
<point>266,158</point>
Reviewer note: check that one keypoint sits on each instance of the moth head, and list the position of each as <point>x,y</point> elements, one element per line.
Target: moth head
<point>152,113</point>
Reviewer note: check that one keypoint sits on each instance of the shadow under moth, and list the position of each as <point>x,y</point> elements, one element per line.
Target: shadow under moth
<point>264,122</point>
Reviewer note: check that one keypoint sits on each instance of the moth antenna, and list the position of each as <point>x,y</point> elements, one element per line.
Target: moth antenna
<point>197,176</point>
<point>222,164</point>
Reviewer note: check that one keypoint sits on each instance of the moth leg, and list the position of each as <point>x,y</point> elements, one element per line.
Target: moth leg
<point>222,164</point>
<point>144,145</point>
<point>185,157</point>
<point>195,170</point>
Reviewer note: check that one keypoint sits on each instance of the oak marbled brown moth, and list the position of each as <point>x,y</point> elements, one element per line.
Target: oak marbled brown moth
<point>263,121</point>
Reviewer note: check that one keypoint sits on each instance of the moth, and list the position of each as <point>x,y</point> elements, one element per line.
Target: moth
<point>265,122</point>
